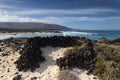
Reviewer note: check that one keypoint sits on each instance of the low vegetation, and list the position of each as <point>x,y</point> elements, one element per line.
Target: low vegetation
<point>107,66</point>
<point>67,75</point>
<point>75,49</point>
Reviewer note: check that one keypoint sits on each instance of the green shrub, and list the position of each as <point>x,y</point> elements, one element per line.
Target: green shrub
<point>107,64</point>
<point>67,75</point>
<point>75,49</point>
<point>102,69</point>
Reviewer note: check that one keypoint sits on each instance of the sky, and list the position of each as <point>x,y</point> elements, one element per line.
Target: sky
<point>78,14</point>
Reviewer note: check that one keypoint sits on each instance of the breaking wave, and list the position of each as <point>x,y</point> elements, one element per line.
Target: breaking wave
<point>93,35</point>
<point>75,33</point>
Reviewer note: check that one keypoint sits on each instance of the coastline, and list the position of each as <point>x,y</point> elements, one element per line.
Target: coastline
<point>90,34</point>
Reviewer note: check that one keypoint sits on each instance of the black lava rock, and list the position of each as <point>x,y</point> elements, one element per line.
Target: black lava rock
<point>4,54</point>
<point>57,41</point>
<point>0,49</point>
<point>116,40</point>
<point>31,56</point>
<point>34,78</point>
<point>83,59</point>
<point>18,77</point>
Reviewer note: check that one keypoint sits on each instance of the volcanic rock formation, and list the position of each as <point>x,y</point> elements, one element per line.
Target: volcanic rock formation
<point>82,59</point>
<point>31,56</point>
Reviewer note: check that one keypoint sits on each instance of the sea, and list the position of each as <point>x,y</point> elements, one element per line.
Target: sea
<point>90,34</point>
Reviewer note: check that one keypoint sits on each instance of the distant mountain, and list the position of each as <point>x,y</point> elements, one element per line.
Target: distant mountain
<point>30,26</point>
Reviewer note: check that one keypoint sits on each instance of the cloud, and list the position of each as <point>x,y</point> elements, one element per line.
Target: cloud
<point>17,10</point>
<point>9,5</point>
<point>14,1</point>
<point>6,17</point>
<point>5,6</point>
<point>73,19</point>
<point>11,8</point>
<point>65,12</point>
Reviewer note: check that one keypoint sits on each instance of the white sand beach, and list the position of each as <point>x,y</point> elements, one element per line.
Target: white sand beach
<point>47,71</point>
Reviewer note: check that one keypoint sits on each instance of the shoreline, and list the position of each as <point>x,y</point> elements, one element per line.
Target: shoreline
<point>44,34</point>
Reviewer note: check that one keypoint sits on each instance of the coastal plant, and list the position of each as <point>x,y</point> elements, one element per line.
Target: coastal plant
<point>67,75</point>
<point>103,40</point>
<point>102,70</point>
<point>73,50</point>
<point>107,64</point>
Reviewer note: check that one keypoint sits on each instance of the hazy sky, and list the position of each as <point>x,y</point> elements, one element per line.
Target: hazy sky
<point>81,14</point>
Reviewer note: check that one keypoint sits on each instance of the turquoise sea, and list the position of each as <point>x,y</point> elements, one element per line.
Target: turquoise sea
<point>91,34</point>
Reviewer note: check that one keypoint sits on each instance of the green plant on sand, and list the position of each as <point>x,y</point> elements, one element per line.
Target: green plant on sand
<point>107,64</point>
<point>66,75</point>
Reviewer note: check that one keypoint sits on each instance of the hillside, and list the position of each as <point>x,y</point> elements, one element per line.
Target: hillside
<point>30,26</point>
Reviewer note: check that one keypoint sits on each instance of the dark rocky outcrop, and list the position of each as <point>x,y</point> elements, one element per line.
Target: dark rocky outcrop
<point>57,41</point>
<point>34,78</point>
<point>116,41</point>
<point>0,49</point>
<point>31,56</point>
<point>18,77</point>
<point>83,59</point>
<point>4,54</point>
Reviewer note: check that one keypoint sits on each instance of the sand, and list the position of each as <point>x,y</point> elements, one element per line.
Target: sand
<point>47,71</point>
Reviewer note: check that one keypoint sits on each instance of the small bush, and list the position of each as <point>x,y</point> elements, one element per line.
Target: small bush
<point>68,52</point>
<point>107,64</point>
<point>67,75</point>
<point>103,40</point>
<point>75,49</point>
<point>101,69</point>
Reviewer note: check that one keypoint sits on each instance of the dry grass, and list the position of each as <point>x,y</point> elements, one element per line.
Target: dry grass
<point>107,64</point>
<point>75,49</point>
<point>67,75</point>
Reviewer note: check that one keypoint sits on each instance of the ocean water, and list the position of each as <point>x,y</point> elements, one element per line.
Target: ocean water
<point>97,34</point>
<point>91,34</point>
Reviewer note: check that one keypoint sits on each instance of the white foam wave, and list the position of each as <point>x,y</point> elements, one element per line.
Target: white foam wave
<point>75,33</point>
<point>63,33</point>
